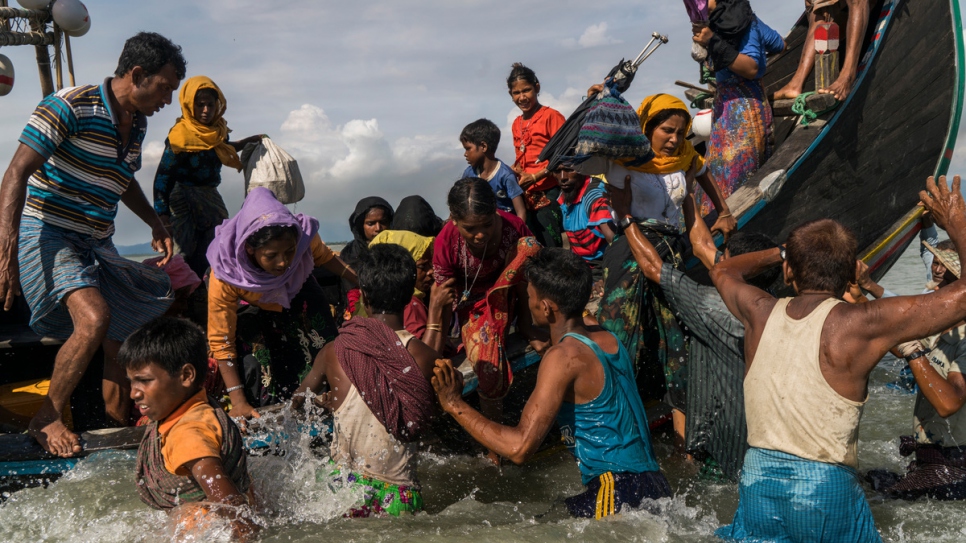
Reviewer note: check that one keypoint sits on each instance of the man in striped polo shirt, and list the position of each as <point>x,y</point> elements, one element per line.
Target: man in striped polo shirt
<point>76,160</point>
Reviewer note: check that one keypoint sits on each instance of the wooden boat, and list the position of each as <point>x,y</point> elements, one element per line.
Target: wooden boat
<point>862,164</point>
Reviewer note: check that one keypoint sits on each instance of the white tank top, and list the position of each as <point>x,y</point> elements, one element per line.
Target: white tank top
<point>789,405</point>
<point>361,443</point>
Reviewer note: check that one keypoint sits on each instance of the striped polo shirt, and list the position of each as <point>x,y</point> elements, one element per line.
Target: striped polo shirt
<point>582,220</point>
<point>88,166</point>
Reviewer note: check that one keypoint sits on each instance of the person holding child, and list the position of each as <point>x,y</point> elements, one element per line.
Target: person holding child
<point>379,405</point>
<point>482,250</point>
<point>586,383</point>
<point>191,456</point>
<point>531,132</point>
<point>186,194</point>
<point>264,257</point>
<point>480,139</point>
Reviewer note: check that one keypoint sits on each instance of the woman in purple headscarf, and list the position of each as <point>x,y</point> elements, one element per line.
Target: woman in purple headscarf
<point>264,257</point>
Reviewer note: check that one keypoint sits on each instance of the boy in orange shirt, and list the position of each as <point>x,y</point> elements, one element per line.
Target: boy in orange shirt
<point>191,451</point>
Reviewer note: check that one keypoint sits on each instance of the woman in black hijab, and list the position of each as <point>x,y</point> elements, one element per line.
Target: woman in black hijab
<point>372,215</point>
<point>417,216</point>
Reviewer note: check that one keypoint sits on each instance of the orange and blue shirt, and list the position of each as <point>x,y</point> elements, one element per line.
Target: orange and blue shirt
<point>583,217</point>
<point>88,165</point>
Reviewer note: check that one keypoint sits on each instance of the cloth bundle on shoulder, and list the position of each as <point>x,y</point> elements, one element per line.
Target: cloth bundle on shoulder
<point>268,165</point>
<point>612,129</point>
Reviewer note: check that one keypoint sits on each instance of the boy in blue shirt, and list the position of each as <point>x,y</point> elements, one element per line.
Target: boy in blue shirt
<point>480,139</point>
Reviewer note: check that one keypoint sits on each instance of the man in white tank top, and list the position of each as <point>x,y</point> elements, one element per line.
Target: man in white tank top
<point>808,360</point>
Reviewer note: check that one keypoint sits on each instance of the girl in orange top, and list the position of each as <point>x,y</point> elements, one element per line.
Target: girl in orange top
<point>531,132</point>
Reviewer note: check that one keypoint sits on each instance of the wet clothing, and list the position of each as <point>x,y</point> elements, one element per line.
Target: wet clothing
<point>195,430</point>
<point>715,372</point>
<point>947,352</point>
<point>786,499</point>
<point>936,472</point>
<point>610,493</point>
<point>55,262</point>
<point>379,497</point>
<point>88,166</point>
<point>504,185</point>
<point>636,312</point>
<point>809,420</point>
<point>609,433</point>
<point>582,219</point>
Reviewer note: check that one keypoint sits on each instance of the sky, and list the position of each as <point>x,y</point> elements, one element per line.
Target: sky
<point>370,96</point>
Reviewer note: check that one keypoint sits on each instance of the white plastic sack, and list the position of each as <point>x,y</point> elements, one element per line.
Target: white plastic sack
<point>268,165</point>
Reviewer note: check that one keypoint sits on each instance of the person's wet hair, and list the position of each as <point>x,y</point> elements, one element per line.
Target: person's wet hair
<point>387,278</point>
<point>517,72</point>
<point>471,197</point>
<point>168,342</point>
<point>751,242</point>
<point>562,277</point>
<point>268,234</point>
<point>662,116</point>
<point>481,131</point>
<point>821,255</point>
<point>150,51</point>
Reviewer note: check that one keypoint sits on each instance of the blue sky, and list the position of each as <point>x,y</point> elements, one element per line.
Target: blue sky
<point>370,96</point>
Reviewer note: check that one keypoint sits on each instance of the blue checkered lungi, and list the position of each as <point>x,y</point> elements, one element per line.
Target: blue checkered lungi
<point>785,498</point>
<point>55,261</point>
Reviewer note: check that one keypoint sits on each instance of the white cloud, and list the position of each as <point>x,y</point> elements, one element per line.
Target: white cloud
<point>593,36</point>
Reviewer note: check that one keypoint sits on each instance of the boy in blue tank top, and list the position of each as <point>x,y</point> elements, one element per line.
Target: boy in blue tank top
<point>585,383</point>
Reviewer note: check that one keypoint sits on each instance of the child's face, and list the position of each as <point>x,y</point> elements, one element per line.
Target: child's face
<point>667,137</point>
<point>157,393</point>
<point>424,272</point>
<point>524,95</point>
<point>474,154</point>
<point>276,256</point>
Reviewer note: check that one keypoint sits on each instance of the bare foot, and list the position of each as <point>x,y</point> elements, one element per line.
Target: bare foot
<point>788,92</point>
<point>841,88</point>
<point>54,437</point>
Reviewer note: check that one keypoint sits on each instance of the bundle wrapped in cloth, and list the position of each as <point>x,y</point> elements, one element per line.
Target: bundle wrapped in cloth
<point>612,130</point>
<point>268,165</point>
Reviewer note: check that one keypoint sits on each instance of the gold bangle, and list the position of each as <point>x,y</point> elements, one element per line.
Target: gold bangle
<point>434,327</point>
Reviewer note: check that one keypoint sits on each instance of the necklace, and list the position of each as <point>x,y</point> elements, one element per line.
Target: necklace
<point>525,135</point>
<point>466,273</point>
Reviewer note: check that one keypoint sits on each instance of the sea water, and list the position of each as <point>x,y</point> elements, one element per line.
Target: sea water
<point>466,498</point>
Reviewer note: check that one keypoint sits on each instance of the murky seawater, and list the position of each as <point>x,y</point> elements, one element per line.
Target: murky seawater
<point>467,500</point>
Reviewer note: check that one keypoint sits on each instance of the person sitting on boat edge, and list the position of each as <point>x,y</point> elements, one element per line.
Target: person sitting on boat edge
<point>378,389</point>
<point>715,432</point>
<point>76,160</point>
<point>192,455</point>
<point>854,31</point>
<point>484,250</point>
<point>586,383</point>
<point>264,256</point>
<point>480,139</point>
<point>423,318</point>
<point>806,453</point>
<point>939,421</point>
<point>186,183</point>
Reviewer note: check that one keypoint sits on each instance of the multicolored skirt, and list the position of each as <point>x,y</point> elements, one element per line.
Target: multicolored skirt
<point>740,136</point>
<point>379,498</point>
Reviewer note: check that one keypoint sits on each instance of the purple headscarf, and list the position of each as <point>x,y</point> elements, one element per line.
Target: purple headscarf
<point>231,263</point>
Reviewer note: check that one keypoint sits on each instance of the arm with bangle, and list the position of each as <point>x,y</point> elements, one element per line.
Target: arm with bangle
<point>222,323</point>
<point>440,314</point>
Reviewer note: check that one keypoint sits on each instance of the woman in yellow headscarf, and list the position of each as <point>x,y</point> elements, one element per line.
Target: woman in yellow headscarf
<point>186,183</point>
<point>631,309</point>
<point>422,318</point>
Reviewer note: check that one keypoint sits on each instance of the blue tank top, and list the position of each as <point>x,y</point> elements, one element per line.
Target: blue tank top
<point>610,432</point>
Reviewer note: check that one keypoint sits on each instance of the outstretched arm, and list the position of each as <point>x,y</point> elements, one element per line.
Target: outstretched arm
<point>702,243</point>
<point>644,253</point>
<point>13,194</point>
<point>211,476</point>
<point>946,394</point>
<point>749,303</point>
<point>517,443</point>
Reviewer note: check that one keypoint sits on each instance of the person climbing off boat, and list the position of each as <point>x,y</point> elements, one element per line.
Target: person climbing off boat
<point>59,199</point>
<point>483,249</point>
<point>480,139</point>
<point>799,480</point>
<point>186,184</point>
<point>379,405</point>
<point>264,256</point>
<point>191,461</point>
<point>716,431</point>
<point>585,383</point>
<point>858,20</point>
<point>737,42</point>
<point>531,132</point>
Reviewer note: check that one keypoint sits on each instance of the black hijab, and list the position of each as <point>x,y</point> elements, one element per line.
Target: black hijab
<point>417,216</point>
<point>731,19</point>
<point>359,246</point>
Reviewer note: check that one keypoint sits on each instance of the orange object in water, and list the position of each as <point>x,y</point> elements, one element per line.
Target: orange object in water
<point>19,402</point>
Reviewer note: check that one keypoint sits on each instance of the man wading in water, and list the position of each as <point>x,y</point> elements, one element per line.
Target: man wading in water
<point>808,360</point>
<point>79,151</point>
